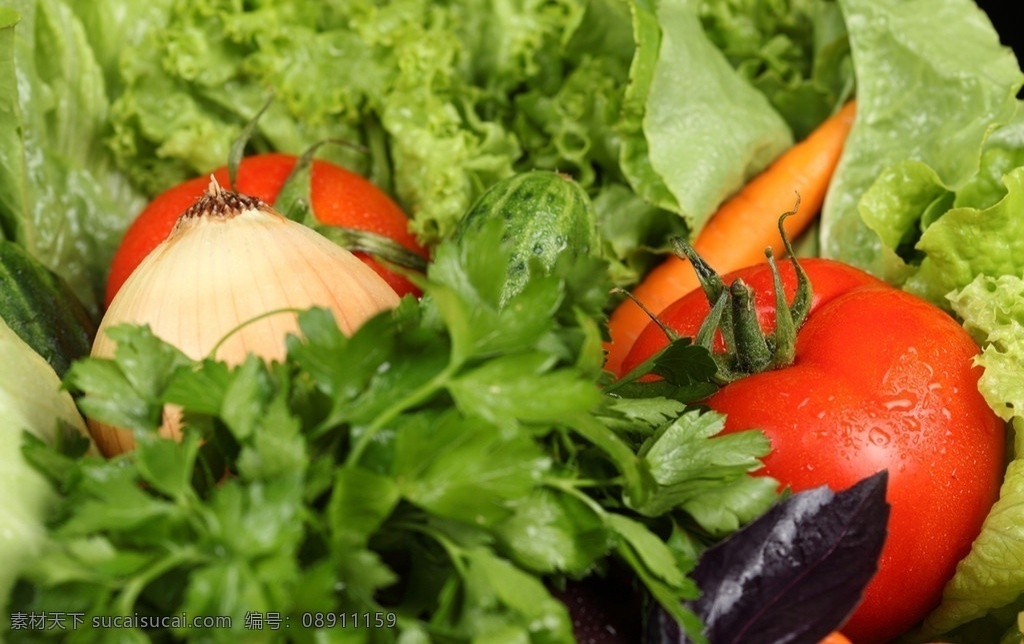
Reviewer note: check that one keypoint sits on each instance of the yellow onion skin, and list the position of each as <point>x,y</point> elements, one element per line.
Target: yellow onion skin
<point>230,260</point>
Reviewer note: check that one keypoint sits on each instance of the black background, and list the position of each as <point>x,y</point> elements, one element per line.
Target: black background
<point>1005,15</point>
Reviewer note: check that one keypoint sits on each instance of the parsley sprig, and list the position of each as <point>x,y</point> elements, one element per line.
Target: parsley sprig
<point>452,463</point>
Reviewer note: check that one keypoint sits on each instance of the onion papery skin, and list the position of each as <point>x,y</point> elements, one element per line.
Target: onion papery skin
<point>225,264</point>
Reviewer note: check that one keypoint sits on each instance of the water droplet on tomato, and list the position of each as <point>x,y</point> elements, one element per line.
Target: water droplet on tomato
<point>879,436</point>
<point>904,403</point>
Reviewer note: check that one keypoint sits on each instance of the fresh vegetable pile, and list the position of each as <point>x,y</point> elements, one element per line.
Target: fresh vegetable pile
<point>392,393</point>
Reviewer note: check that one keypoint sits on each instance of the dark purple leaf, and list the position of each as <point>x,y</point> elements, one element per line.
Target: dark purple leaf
<point>792,576</point>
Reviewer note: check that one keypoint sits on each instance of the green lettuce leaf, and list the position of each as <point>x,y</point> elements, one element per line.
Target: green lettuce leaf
<point>945,238</point>
<point>31,400</point>
<point>993,311</point>
<point>692,143</point>
<point>967,242</point>
<point>114,26</point>
<point>1003,152</point>
<point>199,72</point>
<point>719,89</point>
<point>918,100</point>
<point>60,195</point>
<point>436,102</point>
<point>795,52</point>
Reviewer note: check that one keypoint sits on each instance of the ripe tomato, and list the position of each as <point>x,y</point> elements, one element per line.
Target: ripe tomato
<point>340,198</point>
<point>881,380</point>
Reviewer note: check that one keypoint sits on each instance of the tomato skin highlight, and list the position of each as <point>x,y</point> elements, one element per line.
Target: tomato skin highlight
<point>340,198</point>
<point>881,380</point>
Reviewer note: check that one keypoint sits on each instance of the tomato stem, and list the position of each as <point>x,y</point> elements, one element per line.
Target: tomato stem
<point>784,336</point>
<point>379,246</point>
<point>295,202</point>
<point>237,151</point>
<point>666,329</point>
<point>752,351</point>
<point>801,305</point>
<point>706,333</point>
<point>712,285</point>
<point>748,349</point>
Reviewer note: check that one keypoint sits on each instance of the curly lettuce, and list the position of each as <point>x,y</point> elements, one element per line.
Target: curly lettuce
<point>420,90</point>
<point>987,587</point>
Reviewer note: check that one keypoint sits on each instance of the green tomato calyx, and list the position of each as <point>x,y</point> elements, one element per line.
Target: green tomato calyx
<point>748,349</point>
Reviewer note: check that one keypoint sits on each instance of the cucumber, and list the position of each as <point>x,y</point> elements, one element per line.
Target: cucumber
<point>545,215</point>
<point>42,310</point>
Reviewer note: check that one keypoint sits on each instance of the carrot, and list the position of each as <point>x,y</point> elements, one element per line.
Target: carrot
<point>835,637</point>
<point>742,228</point>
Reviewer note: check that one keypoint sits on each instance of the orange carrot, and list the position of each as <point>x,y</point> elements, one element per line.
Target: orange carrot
<point>835,637</point>
<point>742,228</point>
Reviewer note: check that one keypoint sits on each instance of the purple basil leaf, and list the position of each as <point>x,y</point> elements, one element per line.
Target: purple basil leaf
<point>794,575</point>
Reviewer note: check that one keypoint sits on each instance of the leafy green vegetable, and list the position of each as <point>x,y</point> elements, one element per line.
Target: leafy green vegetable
<point>60,195</point>
<point>902,50</point>
<point>946,238</point>
<point>794,52</point>
<point>427,89</point>
<point>993,311</point>
<point>691,470</point>
<point>712,133</point>
<point>31,402</point>
<point>951,263</point>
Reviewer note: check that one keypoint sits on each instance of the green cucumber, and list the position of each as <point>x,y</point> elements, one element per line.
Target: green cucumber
<point>544,215</point>
<point>42,310</point>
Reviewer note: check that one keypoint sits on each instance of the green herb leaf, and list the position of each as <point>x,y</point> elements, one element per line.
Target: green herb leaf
<point>555,532</point>
<point>707,475</point>
<point>520,388</point>
<point>465,468</point>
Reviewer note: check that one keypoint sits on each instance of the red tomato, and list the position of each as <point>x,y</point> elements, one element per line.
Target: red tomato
<point>881,380</point>
<point>340,198</point>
